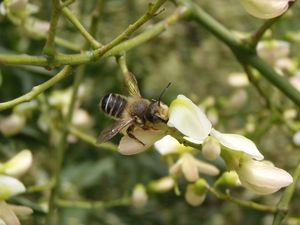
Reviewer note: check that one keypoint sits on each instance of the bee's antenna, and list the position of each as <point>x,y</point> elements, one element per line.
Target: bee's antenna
<point>163,92</point>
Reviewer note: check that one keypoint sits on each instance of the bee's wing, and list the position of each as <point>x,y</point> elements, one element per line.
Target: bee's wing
<point>110,131</point>
<point>132,85</point>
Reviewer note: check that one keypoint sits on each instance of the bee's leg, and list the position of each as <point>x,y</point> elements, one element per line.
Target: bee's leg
<point>130,134</point>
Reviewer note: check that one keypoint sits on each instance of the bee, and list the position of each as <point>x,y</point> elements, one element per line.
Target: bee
<point>131,111</point>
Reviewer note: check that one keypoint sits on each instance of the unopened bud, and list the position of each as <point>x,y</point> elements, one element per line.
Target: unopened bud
<point>200,186</point>
<point>164,184</point>
<point>192,197</point>
<point>18,165</point>
<point>82,119</point>
<point>211,149</point>
<point>230,179</point>
<point>12,124</point>
<point>139,196</point>
<point>296,138</point>
<point>238,80</point>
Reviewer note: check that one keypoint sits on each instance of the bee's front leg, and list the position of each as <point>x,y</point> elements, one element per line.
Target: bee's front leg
<point>129,132</point>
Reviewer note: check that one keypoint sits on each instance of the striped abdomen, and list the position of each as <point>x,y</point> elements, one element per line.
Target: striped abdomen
<point>113,105</point>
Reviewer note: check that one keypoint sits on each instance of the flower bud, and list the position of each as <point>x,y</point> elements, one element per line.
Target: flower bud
<point>12,124</point>
<point>190,167</point>
<point>211,148</point>
<point>81,119</point>
<point>265,9</point>
<point>229,178</point>
<point>296,138</point>
<point>193,197</point>
<point>139,196</point>
<point>10,186</point>
<point>263,177</point>
<point>238,80</point>
<point>162,185</point>
<point>274,50</point>
<point>18,165</point>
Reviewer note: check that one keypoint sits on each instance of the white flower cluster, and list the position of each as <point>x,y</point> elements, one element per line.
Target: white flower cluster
<point>239,153</point>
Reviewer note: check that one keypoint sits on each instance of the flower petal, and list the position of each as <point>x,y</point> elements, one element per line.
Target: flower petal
<point>188,118</point>
<point>238,143</point>
<point>207,168</point>
<point>262,177</point>
<point>130,146</point>
<point>19,164</point>
<point>8,215</point>
<point>10,186</point>
<point>189,168</point>
<point>265,9</point>
<point>167,145</point>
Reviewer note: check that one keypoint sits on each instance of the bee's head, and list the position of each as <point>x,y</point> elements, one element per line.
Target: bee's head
<point>157,112</point>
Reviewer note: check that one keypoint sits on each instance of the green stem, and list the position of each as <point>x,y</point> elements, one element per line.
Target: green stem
<point>49,48</point>
<point>37,89</point>
<point>89,56</point>
<point>36,34</point>
<point>247,204</point>
<point>287,196</point>
<point>92,204</point>
<point>257,35</point>
<point>151,12</point>
<point>242,52</point>
<point>150,33</point>
<point>255,83</point>
<point>62,146</point>
<point>89,38</point>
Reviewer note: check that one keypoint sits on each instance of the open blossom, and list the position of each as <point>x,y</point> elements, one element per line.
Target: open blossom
<point>263,177</point>
<point>242,155</point>
<point>191,121</point>
<point>266,9</point>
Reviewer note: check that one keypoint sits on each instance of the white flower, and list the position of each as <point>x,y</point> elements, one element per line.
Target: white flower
<point>10,186</point>
<point>18,165</point>
<point>130,146</point>
<point>265,9</point>
<point>188,118</point>
<point>263,177</point>
<point>190,167</point>
<point>191,121</point>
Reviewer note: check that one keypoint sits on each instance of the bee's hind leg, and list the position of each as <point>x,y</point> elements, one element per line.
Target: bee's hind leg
<point>129,132</point>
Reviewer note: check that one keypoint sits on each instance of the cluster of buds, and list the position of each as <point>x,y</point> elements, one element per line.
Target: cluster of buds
<point>11,186</point>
